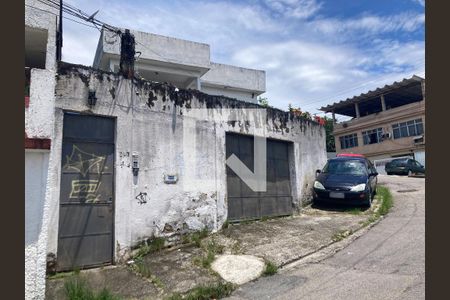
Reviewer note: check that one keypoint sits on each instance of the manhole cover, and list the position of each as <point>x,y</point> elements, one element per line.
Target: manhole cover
<point>407,191</point>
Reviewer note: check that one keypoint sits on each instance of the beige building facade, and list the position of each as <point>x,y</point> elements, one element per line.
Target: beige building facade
<point>388,122</point>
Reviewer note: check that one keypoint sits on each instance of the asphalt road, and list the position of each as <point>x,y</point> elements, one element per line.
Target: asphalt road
<point>388,262</point>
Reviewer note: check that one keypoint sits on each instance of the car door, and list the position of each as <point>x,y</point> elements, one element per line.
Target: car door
<point>418,167</point>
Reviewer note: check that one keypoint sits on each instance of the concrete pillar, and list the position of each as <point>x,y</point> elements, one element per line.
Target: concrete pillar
<point>199,86</point>
<point>383,103</point>
<point>357,110</point>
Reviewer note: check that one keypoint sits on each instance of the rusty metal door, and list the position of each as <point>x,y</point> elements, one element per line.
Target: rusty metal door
<point>86,215</point>
<point>244,203</point>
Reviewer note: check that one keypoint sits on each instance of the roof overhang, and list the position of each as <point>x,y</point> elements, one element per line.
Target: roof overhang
<point>406,89</point>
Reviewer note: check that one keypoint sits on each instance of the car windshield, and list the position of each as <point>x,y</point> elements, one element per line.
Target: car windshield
<point>345,167</point>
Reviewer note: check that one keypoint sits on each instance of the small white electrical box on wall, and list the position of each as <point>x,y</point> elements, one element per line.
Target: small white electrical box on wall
<point>170,178</point>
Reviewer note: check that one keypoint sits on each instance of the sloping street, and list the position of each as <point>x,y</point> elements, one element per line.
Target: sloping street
<point>388,262</point>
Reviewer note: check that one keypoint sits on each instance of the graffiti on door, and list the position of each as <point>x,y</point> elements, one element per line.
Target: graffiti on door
<point>85,162</point>
<point>85,190</point>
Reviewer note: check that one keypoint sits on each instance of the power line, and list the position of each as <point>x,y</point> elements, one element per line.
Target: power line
<point>67,18</point>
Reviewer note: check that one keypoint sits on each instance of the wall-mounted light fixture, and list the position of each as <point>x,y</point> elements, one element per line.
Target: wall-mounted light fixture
<point>135,163</point>
<point>92,100</point>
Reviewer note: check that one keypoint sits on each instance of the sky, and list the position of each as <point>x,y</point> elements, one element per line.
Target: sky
<point>314,52</point>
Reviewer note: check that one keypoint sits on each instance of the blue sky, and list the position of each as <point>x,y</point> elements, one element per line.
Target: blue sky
<point>314,52</point>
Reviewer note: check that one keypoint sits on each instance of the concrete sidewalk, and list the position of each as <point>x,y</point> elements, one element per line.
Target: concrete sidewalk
<point>280,241</point>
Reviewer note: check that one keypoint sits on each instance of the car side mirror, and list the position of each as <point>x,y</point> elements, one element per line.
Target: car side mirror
<point>318,172</point>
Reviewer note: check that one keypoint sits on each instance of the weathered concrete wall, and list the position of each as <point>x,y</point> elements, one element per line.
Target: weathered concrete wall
<point>237,77</point>
<point>36,166</point>
<point>158,48</point>
<point>218,91</point>
<point>153,120</point>
<point>40,113</point>
<point>39,117</point>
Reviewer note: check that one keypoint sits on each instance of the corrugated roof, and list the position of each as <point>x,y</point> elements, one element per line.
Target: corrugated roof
<point>369,94</point>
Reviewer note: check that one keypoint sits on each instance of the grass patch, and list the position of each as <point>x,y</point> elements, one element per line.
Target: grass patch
<point>195,237</point>
<point>212,248</point>
<point>206,292</point>
<point>340,235</point>
<point>270,269</point>
<point>355,211</point>
<point>140,267</point>
<point>225,224</point>
<point>77,289</point>
<point>386,202</point>
<point>156,244</point>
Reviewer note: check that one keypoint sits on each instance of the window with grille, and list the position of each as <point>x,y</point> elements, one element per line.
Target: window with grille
<point>372,136</point>
<point>405,129</point>
<point>349,141</point>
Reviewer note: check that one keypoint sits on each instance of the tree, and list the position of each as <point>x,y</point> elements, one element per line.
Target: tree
<point>331,147</point>
<point>324,121</point>
<point>263,101</point>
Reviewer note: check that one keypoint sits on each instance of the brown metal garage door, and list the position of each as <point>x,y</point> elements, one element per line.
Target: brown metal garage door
<point>85,235</point>
<point>243,203</point>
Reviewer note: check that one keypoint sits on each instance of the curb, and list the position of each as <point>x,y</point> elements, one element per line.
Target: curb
<point>327,250</point>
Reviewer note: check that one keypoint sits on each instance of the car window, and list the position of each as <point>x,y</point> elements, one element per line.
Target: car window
<point>399,162</point>
<point>345,167</point>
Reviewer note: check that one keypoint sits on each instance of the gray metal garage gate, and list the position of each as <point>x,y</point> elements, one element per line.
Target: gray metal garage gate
<point>244,203</point>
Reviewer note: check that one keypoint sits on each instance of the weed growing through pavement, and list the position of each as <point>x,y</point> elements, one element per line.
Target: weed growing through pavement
<point>206,292</point>
<point>77,289</point>
<point>270,269</point>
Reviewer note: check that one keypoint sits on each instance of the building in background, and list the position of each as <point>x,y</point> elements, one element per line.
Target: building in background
<point>185,64</point>
<point>386,123</point>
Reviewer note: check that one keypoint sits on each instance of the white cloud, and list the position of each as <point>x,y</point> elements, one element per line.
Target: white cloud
<point>420,2</point>
<point>305,58</point>
<point>300,9</point>
<point>369,24</point>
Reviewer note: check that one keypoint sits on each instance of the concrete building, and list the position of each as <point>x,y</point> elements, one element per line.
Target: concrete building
<point>112,162</point>
<point>181,183</point>
<point>40,70</point>
<point>387,122</point>
<point>183,63</point>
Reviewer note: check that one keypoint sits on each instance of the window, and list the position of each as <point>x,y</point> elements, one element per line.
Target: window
<point>372,136</point>
<point>410,128</point>
<point>349,141</point>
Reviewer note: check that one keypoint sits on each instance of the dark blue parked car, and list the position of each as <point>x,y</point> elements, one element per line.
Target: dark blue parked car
<point>346,180</point>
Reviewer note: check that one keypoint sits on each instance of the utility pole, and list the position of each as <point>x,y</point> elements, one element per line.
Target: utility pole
<point>60,33</point>
<point>127,53</point>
